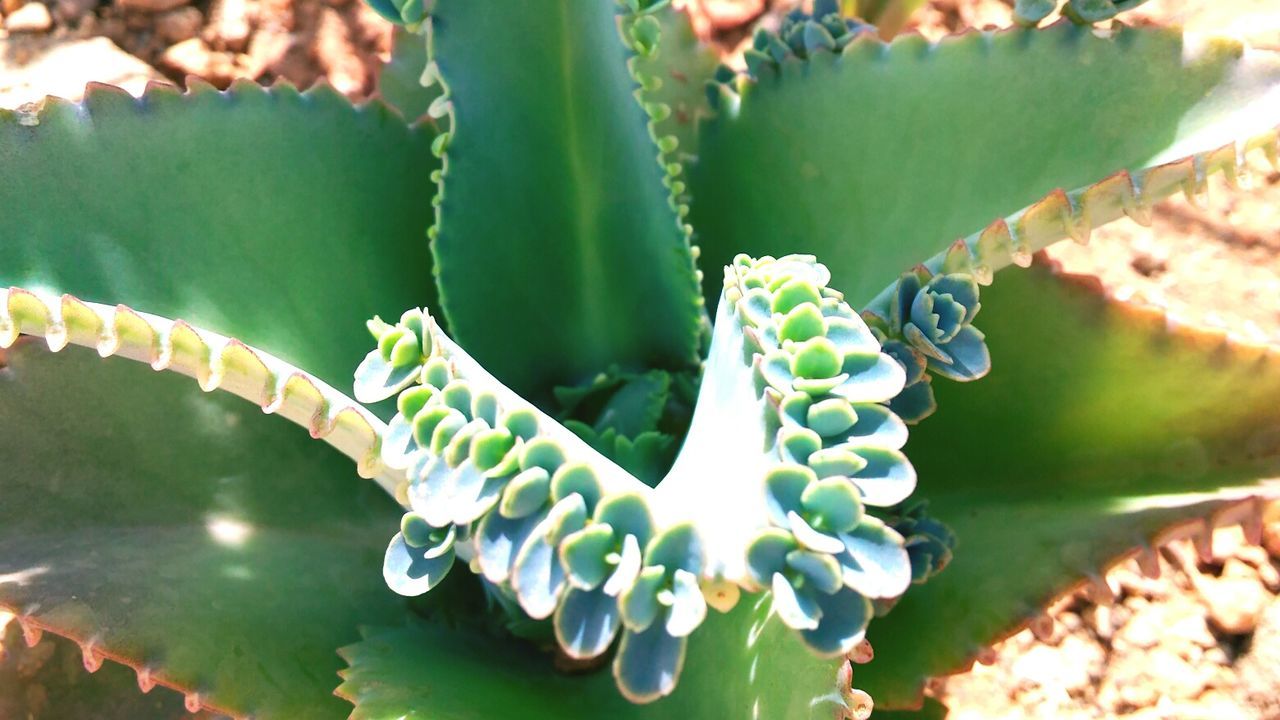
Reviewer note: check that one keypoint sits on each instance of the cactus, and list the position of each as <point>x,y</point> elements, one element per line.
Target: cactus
<point>672,414</point>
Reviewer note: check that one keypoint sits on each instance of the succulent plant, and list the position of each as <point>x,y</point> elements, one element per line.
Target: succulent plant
<point>659,511</point>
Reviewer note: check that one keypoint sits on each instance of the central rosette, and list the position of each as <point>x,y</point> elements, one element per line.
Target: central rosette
<point>796,390</point>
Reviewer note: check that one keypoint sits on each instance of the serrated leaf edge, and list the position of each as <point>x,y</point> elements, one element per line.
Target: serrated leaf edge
<point>441,114</point>
<point>1243,508</point>
<point>1059,215</point>
<point>93,656</point>
<point>216,362</point>
<point>158,94</point>
<point>667,156</point>
<point>1100,588</point>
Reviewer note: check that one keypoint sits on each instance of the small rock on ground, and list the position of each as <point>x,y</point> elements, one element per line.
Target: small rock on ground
<point>1201,642</point>
<point>228,25</point>
<point>30,18</point>
<point>195,57</point>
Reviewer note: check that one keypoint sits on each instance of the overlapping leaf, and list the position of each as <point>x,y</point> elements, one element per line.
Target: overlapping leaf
<point>678,74</point>
<point>554,195</point>
<point>185,533</point>
<point>283,219</point>
<point>400,78</point>
<point>879,157</point>
<point>741,665</point>
<point>1097,429</point>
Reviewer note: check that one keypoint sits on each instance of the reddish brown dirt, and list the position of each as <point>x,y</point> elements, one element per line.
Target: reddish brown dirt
<point>1201,642</point>
<point>219,40</point>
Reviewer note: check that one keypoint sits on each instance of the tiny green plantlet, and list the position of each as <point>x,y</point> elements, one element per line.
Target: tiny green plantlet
<point>672,412</point>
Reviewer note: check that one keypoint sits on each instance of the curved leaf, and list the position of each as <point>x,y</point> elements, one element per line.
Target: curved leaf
<point>737,664</point>
<point>587,622</point>
<point>648,663</point>
<point>215,361</point>
<point>553,195</point>
<point>1059,215</point>
<point>185,533</point>
<point>1108,429</point>
<point>890,152</point>
<point>283,219</point>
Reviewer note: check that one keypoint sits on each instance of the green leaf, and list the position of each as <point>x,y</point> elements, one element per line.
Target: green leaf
<point>282,219</point>
<point>215,361</point>
<point>737,664</point>
<point>1108,428</point>
<point>631,418</point>
<point>185,532</point>
<point>880,157</point>
<point>400,78</point>
<point>683,65</point>
<point>48,681</point>
<point>636,406</point>
<point>558,252</point>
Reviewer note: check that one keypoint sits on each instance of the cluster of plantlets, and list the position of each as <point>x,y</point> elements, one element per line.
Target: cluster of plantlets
<point>575,153</point>
<point>558,532</point>
<point>553,527</point>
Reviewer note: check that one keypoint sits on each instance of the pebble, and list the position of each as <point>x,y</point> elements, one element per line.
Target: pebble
<point>267,51</point>
<point>30,18</point>
<point>1065,669</point>
<point>1235,601</point>
<point>1098,618</point>
<point>229,25</point>
<point>181,24</point>
<point>1178,623</point>
<point>1260,562</point>
<point>337,54</point>
<point>1271,530</point>
<point>1149,266</point>
<point>1069,620</point>
<point>1137,586</point>
<point>194,57</point>
<point>190,57</point>
<point>1217,656</point>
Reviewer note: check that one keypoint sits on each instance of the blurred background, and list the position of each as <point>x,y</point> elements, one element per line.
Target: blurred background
<point>1200,643</point>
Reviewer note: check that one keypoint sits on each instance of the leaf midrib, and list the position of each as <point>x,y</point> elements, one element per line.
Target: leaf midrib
<point>586,210</point>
